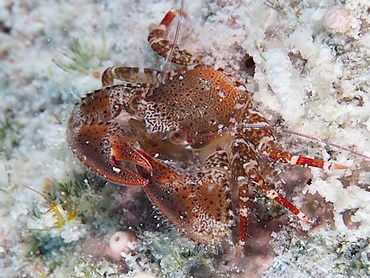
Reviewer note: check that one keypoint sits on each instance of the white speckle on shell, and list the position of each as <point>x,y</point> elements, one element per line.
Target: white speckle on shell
<point>211,187</point>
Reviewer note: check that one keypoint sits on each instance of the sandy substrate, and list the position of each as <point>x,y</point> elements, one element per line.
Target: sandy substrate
<point>311,76</point>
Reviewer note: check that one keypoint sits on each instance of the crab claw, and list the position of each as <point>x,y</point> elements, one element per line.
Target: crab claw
<point>196,204</point>
<point>102,148</point>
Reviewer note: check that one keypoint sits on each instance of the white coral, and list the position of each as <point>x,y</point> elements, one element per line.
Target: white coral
<point>337,18</point>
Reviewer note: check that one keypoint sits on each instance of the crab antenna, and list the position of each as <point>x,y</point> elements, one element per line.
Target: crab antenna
<point>312,138</point>
<point>323,142</point>
<point>175,40</point>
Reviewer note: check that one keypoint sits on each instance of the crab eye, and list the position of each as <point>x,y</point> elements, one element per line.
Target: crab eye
<point>178,137</point>
<point>135,101</point>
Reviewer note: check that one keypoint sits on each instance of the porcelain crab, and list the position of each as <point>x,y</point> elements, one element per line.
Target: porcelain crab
<point>187,136</point>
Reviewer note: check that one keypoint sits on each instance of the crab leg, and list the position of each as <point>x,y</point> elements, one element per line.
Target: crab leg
<point>163,46</point>
<point>262,137</point>
<point>279,155</point>
<point>129,75</point>
<point>245,164</point>
<point>99,141</point>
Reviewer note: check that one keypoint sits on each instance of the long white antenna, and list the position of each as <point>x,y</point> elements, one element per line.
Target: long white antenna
<point>312,138</point>
<point>175,40</point>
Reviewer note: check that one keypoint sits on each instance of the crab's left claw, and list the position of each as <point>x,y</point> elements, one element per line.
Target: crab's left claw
<point>100,141</point>
<point>101,148</point>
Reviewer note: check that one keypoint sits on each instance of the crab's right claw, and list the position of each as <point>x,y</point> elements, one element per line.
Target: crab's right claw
<point>103,149</point>
<point>197,204</point>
